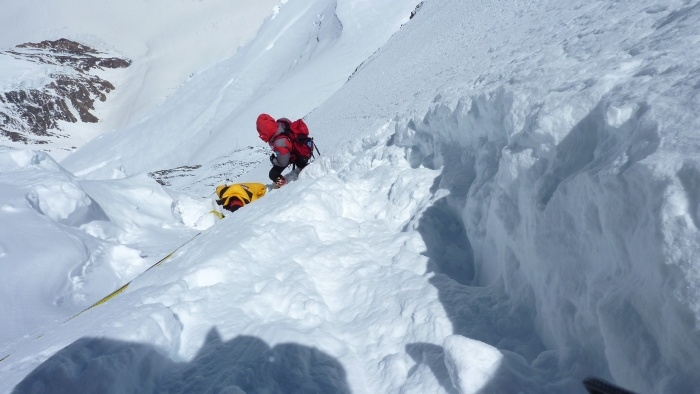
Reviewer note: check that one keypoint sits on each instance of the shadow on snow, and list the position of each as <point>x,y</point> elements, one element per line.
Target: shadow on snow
<point>474,295</point>
<point>244,364</point>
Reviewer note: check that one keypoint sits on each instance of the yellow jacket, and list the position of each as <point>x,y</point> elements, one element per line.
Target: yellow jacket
<point>244,192</point>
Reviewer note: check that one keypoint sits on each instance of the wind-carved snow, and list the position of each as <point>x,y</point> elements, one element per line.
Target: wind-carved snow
<point>473,376</point>
<point>598,209</point>
<point>327,29</point>
<point>276,9</point>
<point>101,248</point>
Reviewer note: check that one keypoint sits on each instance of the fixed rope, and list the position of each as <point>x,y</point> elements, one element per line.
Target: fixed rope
<point>121,289</point>
<point>125,286</point>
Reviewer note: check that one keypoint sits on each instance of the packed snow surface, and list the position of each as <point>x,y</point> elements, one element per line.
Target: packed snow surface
<point>507,200</point>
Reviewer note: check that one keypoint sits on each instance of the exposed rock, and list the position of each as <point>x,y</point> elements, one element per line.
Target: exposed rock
<point>69,96</point>
<point>69,53</point>
<point>415,11</point>
<point>202,179</point>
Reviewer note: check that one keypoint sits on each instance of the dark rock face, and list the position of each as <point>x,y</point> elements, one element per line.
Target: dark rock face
<point>27,114</point>
<point>70,53</point>
<point>202,179</point>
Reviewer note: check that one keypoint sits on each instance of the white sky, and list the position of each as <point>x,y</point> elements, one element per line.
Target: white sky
<point>507,201</point>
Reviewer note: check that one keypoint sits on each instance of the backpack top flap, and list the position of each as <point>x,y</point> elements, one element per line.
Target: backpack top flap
<point>299,128</point>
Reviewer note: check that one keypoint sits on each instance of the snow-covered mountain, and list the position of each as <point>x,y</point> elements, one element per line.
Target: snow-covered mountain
<point>506,201</point>
<point>62,91</point>
<point>167,44</point>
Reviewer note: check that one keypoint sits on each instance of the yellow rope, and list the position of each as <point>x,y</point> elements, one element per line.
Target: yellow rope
<point>121,289</point>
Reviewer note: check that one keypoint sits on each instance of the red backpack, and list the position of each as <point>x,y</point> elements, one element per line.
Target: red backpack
<point>298,133</point>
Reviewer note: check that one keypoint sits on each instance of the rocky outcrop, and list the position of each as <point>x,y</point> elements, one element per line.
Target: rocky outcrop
<point>31,115</point>
<point>202,179</point>
<point>70,53</point>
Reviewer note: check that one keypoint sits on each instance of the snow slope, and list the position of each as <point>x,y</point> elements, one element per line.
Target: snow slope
<point>306,52</point>
<point>510,205</point>
<point>167,42</point>
<point>567,145</point>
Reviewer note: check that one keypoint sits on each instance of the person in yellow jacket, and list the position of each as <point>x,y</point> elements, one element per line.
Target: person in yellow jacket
<point>232,197</point>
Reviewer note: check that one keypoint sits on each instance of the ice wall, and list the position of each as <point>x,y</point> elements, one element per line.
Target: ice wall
<point>581,220</point>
